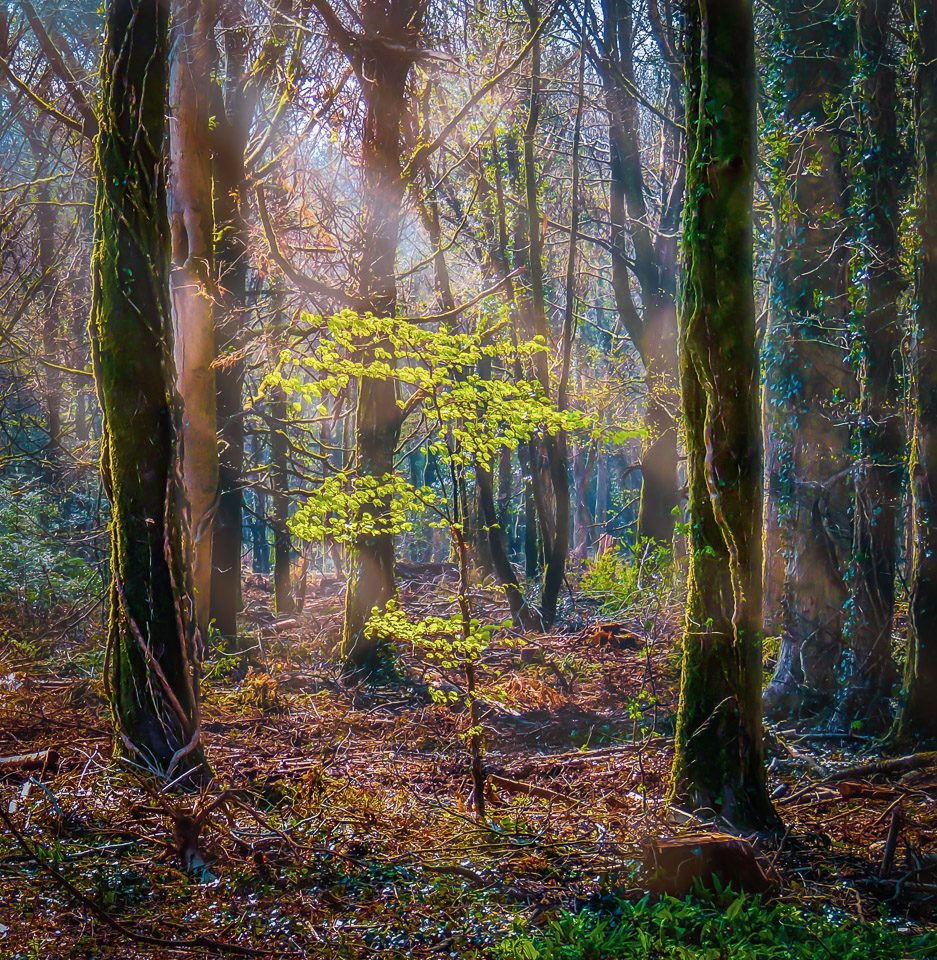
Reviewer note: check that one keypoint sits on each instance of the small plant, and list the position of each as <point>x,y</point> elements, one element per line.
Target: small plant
<point>262,691</point>
<point>467,418</point>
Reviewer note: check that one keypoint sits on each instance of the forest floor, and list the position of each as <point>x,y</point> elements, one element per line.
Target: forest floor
<point>340,820</point>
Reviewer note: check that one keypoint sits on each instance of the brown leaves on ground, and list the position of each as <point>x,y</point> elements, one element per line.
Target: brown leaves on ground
<point>345,829</point>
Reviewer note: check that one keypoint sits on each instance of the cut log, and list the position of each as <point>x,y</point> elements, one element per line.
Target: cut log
<point>673,866</point>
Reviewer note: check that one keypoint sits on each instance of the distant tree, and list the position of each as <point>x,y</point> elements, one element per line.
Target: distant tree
<point>648,256</point>
<point>719,762</point>
<point>153,653</point>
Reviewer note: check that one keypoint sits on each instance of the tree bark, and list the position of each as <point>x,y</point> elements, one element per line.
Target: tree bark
<point>233,114</point>
<point>918,717</point>
<point>51,321</point>
<point>280,484</point>
<point>153,654</point>
<point>719,761</point>
<point>549,468</point>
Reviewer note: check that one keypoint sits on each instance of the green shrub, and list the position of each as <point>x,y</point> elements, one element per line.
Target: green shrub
<point>41,568</point>
<point>622,578</point>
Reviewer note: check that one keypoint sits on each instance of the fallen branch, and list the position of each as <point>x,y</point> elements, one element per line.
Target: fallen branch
<point>529,789</point>
<point>914,761</point>
<point>40,760</point>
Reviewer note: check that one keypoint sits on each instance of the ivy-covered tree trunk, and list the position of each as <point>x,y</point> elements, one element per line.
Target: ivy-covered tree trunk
<point>392,30</point>
<point>152,663</point>
<point>810,383</point>
<point>870,671</point>
<point>191,221</point>
<point>719,762</point>
<point>918,717</point>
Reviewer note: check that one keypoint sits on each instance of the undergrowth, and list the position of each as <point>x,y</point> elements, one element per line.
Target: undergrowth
<point>722,928</point>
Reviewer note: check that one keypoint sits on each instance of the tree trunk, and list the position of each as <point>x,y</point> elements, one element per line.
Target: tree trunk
<point>655,332</point>
<point>191,223</point>
<point>392,29</point>
<point>260,546</point>
<point>551,484</point>
<point>233,113</point>
<point>51,322</point>
<point>918,717</point>
<point>280,483</point>
<point>810,384</point>
<point>152,663</point>
<point>719,762</point>
<point>870,669</point>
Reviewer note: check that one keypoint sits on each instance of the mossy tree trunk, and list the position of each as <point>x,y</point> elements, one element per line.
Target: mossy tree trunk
<point>719,762</point>
<point>152,661</point>
<point>918,717</point>
<point>870,669</point>
<point>810,384</point>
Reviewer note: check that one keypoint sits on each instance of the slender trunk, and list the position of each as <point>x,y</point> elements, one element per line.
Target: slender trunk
<point>550,485</point>
<point>153,655</point>
<point>233,114</point>
<point>260,546</point>
<point>809,382</point>
<point>601,494</point>
<point>918,717</point>
<point>719,762</point>
<point>45,223</point>
<point>192,228</point>
<point>280,482</point>
<point>505,492</point>
<point>870,669</point>
<point>475,742</point>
